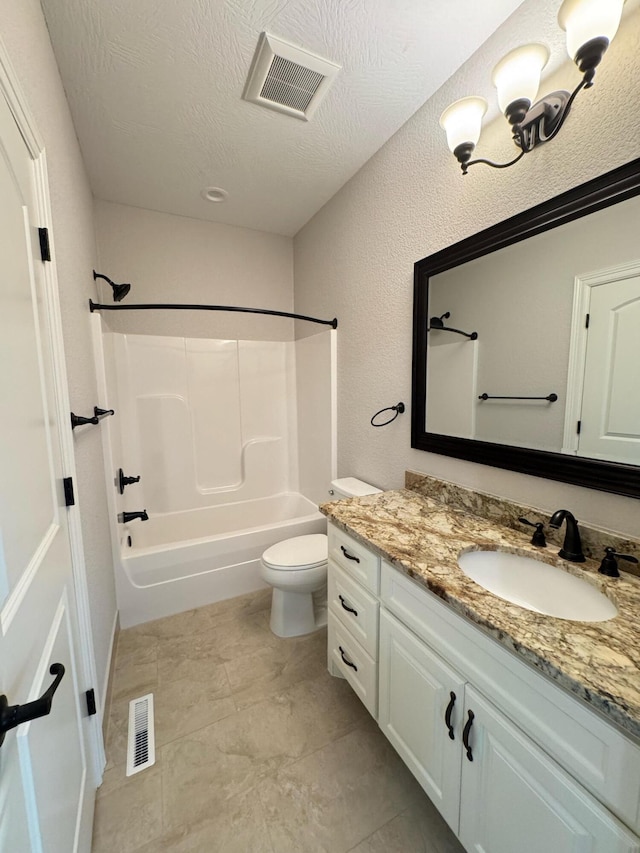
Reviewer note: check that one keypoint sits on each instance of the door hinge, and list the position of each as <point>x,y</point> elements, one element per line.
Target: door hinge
<point>586,322</point>
<point>579,427</point>
<point>45,249</point>
<point>91,702</point>
<point>69,497</point>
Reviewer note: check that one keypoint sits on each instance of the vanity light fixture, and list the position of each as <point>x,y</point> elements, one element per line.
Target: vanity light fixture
<point>590,26</point>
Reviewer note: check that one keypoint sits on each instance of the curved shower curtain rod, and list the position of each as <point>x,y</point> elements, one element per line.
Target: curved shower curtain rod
<point>96,306</point>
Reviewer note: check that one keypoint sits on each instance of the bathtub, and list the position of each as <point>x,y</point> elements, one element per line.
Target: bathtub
<point>181,560</point>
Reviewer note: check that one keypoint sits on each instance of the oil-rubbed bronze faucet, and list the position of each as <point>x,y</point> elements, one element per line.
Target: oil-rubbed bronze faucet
<point>125,517</point>
<point>572,547</point>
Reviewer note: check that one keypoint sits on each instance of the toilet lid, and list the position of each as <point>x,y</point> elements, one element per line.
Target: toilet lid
<point>297,553</point>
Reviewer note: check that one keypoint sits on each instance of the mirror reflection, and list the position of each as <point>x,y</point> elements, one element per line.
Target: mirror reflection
<point>557,318</point>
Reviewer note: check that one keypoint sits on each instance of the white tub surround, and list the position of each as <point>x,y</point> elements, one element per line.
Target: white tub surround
<point>212,427</point>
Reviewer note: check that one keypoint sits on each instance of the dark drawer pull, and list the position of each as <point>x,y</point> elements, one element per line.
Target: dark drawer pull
<point>346,660</point>
<point>448,712</point>
<point>348,555</point>
<point>346,607</point>
<point>465,735</point>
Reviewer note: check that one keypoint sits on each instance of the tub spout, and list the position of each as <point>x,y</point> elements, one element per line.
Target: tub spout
<point>124,517</point>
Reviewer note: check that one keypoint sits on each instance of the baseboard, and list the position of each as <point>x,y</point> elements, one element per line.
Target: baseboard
<point>108,680</point>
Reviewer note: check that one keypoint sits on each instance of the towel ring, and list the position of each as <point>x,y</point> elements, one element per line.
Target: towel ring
<point>399,409</point>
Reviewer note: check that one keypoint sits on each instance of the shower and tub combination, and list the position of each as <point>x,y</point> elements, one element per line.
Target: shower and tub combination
<point>233,442</point>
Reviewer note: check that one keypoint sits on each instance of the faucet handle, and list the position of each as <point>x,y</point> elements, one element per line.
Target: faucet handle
<point>609,565</point>
<point>538,537</point>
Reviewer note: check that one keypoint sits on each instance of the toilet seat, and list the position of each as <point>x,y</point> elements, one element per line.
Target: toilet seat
<point>298,553</point>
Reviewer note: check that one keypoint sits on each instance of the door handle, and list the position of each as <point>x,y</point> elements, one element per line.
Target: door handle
<point>448,712</point>
<point>465,735</point>
<point>12,715</point>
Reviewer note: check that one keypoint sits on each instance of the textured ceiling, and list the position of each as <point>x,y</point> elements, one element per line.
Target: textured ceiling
<point>155,92</point>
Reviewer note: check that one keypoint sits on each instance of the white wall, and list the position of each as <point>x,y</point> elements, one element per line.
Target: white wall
<point>355,258</point>
<point>25,37</point>
<point>170,258</point>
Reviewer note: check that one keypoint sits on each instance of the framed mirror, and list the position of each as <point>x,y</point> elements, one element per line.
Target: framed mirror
<point>526,340</point>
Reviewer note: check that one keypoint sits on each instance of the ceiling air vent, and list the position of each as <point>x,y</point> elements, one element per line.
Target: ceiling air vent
<point>287,78</point>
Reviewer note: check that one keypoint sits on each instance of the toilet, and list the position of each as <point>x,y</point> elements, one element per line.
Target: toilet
<point>297,570</point>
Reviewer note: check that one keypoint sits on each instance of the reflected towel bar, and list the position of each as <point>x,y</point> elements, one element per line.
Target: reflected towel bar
<point>551,398</point>
<point>96,306</point>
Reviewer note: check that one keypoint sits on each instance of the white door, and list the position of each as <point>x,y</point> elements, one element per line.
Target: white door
<point>515,798</point>
<point>420,711</point>
<point>610,416</point>
<point>46,792</point>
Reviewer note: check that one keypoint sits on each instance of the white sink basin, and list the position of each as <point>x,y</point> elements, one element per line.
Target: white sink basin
<point>537,586</point>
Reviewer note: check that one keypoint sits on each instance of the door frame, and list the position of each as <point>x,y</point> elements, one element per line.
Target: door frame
<point>578,344</point>
<point>11,89</point>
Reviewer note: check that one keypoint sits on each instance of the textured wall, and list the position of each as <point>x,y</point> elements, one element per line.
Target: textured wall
<point>176,259</point>
<point>355,258</point>
<point>24,34</point>
<point>155,88</point>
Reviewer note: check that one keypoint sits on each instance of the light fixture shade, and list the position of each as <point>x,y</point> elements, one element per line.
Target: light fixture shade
<point>584,20</point>
<point>517,75</point>
<point>462,121</point>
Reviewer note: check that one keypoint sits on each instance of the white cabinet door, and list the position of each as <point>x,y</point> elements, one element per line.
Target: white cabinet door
<point>515,798</point>
<point>416,690</point>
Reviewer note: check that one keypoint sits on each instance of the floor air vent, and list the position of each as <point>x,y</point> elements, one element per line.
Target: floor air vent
<point>287,78</point>
<point>141,744</point>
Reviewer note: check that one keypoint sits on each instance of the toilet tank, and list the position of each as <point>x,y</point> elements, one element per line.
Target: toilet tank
<point>350,487</point>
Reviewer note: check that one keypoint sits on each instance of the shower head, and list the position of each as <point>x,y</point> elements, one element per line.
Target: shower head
<point>436,322</point>
<point>119,290</point>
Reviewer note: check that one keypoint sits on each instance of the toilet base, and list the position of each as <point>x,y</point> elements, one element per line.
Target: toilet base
<point>294,613</point>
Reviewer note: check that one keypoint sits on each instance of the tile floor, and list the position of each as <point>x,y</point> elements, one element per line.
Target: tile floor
<point>258,748</point>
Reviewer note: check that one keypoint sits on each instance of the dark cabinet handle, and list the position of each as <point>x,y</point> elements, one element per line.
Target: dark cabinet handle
<point>12,715</point>
<point>448,712</point>
<point>465,735</point>
<point>348,555</point>
<point>346,660</point>
<point>346,607</point>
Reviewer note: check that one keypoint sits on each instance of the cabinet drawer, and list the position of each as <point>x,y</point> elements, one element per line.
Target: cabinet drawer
<point>354,558</point>
<point>360,670</point>
<point>355,608</point>
<point>605,761</point>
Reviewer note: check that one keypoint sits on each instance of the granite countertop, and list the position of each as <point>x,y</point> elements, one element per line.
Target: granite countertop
<point>597,661</point>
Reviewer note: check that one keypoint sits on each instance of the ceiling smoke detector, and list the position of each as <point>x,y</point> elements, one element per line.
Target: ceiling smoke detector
<point>287,78</point>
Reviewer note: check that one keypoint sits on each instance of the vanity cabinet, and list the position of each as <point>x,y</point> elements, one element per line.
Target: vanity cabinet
<point>353,584</point>
<point>420,710</point>
<point>513,796</point>
<point>495,788</point>
<point>512,761</point>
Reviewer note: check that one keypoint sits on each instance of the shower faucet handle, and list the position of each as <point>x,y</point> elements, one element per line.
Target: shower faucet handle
<point>122,480</point>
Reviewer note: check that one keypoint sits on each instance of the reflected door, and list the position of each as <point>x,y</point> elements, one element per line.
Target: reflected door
<point>610,416</point>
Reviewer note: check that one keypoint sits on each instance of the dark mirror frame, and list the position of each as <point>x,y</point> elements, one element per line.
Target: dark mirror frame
<point>613,187</point>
